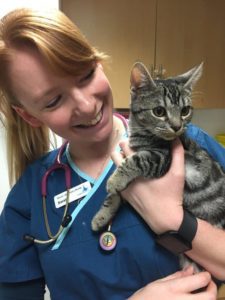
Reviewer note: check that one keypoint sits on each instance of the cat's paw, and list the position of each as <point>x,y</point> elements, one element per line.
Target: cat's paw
<point>99,221</point>
<point>185,262</point>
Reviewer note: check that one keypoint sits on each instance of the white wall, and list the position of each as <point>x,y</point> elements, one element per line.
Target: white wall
<point>7,5</point>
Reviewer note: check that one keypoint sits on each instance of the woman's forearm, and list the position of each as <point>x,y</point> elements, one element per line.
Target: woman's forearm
<point>209,249</point>
<point>159,202</point>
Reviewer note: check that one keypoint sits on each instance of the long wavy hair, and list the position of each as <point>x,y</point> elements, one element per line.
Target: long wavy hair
<point>65,50</point>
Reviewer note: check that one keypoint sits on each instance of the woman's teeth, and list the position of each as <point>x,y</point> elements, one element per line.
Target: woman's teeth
<point>92,122</point>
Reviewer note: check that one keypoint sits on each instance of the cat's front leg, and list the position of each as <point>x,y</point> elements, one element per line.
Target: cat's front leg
<point>106,212</point>
<point>123,175</point>
<point>142,163</point>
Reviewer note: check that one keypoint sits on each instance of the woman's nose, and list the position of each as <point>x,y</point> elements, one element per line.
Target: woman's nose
<point>82,101</point>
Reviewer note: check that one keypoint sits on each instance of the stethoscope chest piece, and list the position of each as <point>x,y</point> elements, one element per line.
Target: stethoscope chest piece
<point>107,240</point>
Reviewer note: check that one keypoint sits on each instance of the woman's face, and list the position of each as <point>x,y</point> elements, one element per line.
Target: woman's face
<point>75,108</point>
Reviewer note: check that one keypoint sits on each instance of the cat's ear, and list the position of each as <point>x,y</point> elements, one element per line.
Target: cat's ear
<point>140,77</point>
<point>190,78</point>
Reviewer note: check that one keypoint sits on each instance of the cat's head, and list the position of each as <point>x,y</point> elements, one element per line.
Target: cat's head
<point>163,107</point>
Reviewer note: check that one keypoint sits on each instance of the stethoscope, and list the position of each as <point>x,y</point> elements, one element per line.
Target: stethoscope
<point>66,217</point>
<point>107,239</point>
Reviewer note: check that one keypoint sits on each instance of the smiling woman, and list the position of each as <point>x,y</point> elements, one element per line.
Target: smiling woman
<point>25,62</point>
<point>54,80</point>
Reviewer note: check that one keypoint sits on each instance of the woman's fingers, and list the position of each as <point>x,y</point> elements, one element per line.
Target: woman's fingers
<point>195,282</point>
<point>210,292</point>
<point>124,145</point>
<point>118,157</point>
<point>189,284</point>
<point>177,164</point>
<point>212,288</point>
<point>188,271</point>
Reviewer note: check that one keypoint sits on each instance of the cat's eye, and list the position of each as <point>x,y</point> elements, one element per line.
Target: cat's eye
<point>159,111</point>
<point>185,111</point>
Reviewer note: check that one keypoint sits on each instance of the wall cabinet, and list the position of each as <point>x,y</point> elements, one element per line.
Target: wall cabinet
<point>221,293</point>
<point>189,32</point>
<point>174,34</point>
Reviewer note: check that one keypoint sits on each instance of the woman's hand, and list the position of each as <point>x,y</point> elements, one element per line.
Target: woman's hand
<point>179,286</point>
<point>158,201</point>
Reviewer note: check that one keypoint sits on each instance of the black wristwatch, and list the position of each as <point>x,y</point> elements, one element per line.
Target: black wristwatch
<point>179,241</point>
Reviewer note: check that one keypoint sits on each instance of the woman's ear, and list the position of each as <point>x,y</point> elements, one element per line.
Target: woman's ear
<point>27,117</point>
<point>100,65</point>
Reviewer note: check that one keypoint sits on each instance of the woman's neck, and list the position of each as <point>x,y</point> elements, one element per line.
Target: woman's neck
<point>92,158</point>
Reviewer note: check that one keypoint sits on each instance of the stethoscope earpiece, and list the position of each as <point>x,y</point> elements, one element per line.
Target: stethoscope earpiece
<point>32,239</point>
<point>28,238</point>
<point>66,220</point>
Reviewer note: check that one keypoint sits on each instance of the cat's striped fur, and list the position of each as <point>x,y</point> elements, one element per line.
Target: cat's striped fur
<point>159,113</point>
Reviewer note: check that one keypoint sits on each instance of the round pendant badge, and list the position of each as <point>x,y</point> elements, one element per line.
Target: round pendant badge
<point>107,241</point>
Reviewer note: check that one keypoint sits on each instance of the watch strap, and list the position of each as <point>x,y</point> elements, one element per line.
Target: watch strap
<point>179,241</point>
<point>188,227</point>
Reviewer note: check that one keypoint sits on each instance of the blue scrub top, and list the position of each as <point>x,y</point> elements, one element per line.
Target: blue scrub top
<point>75,267</point>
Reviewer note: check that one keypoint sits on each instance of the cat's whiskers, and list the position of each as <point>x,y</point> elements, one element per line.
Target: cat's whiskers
<point>140,130</point>
<point>157,129</point>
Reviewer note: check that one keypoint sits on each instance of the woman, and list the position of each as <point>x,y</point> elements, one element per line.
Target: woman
<point>53,79</point>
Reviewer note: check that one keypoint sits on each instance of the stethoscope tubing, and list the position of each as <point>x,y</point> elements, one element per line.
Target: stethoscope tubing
<point>66,217</point>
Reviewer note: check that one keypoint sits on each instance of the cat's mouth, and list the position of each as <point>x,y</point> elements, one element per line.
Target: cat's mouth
<point>172,135</point>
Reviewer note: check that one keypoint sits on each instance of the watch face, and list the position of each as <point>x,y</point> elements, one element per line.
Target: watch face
<point>173,242</point>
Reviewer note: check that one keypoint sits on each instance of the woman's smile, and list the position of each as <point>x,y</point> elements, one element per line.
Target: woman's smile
<point>92,122</point>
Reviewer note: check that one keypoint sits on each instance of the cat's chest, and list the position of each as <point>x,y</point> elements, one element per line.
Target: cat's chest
<point>192,174</point>
<point>195,171</point>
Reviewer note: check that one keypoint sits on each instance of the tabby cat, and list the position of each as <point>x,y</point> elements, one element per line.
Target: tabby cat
<point>159,113</point>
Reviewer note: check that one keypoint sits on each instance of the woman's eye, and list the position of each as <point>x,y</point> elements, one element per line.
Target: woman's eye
<point>88,75</point>
<point>159,111</point>
<point>54,102</point>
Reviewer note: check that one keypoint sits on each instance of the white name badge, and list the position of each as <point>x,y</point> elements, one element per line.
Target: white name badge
<point>75,193</point>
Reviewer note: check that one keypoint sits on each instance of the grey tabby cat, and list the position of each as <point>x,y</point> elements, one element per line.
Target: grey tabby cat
<point>159,113</point>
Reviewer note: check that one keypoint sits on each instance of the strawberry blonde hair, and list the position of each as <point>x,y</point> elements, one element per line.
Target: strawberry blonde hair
<point>65,50</point>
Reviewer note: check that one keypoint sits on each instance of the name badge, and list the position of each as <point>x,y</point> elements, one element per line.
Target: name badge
<point>75,193</point>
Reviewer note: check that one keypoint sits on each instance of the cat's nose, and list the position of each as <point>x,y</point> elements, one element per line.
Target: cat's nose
<point>176,127</point>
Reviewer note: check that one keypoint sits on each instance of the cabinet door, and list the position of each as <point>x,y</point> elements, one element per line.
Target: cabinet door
<point>221,293</point>
<point>189,32</point>
<point>125,30</point>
